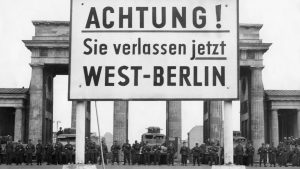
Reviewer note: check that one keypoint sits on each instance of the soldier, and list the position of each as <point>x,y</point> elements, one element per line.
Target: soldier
<point>39,152</point>
<point>196,154</point>
<point>250,153</point>
<point>19,150</point>
<point>69,152</point>
<point>105,151</point>
<point>29,150</point>
<point>92,152</point>
<point>170,153</point>
<point>156,150</point>
<point>262,151</point>
<point>135,152</point>
<point>213,154</point>
<point>115,148</point>
<point>184,151</point>
<point>58,149</point>
<point>126,148</point>
<point>239,152</point>
<point>146,152</point>
<point>49,151</point>
<point>295,156</point>
<point>9,152</point>
<point>60,131</point>
<point>272,152</point>
<point>202,152</point>
<point>285,154</point>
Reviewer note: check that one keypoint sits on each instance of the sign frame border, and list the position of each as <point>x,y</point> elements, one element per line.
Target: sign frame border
<point>155,99</point>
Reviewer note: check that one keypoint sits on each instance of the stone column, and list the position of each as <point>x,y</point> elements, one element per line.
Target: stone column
<point>120,130</point>
<point>173,127</point>
<point>298,122</point>
<point>215,116</point>
<point>36,103</point>
<point>257,108</point>
<point>274,127</point>
<point>19,127</point>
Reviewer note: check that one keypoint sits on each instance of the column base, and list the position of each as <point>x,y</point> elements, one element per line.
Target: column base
<point>79,166</point>
<point>231,166</point>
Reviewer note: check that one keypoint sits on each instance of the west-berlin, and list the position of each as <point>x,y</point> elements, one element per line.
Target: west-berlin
<point>160,75</point>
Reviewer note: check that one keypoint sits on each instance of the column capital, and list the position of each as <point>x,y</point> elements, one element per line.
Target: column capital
<point>36,65</point>
<point>256,67</point>
<point>19,107</point>
<point>274,109</point>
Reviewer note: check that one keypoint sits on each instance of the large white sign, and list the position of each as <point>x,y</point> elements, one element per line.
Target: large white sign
<point>154,49</point>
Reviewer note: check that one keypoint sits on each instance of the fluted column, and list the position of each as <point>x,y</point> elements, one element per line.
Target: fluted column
<point>36,103</point>
<point>257,108</point>
<point>215,117</point>
<point>173,119</point>
<point>274,127</point>
<point>19,126</point>
<point>298,122</point>
<point>120,130</point>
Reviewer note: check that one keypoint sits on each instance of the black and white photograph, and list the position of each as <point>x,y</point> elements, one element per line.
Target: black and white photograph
<point>108,84</point>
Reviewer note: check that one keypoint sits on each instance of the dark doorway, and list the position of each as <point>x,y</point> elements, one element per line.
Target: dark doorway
<point>7,121</point>
<point>287,120</point>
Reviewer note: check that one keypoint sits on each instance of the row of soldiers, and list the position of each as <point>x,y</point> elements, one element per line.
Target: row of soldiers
<point>198,153</point>
<point>24,153</point>
<point>277,155</point>
<point>137,153</point>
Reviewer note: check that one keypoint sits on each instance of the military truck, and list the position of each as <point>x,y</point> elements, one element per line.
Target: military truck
<point>153,137</point>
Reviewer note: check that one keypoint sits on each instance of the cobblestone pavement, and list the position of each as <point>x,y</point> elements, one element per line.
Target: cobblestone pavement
<point>34,166</point>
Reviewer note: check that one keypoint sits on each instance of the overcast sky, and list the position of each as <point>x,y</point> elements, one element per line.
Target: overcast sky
<point>281,20</point>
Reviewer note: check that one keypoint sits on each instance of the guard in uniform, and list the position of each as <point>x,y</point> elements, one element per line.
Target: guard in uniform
<point>202,152</point>
<point>196,154</point>
<point>19,150</point>
<point>170,153</point>
<point>126,148</point>
<point>184,151</point>
<point>9,152</point>
<point>93,153</point>
<point>272,152</point>
<point>39,152</point>
<point>213,154</point>
<point>250,153</point>
<point>156,150</point>
<point>262,151</point>
<point>58,148</point>
<point>285,154</point>
<point>69,152</point>
<point>295,156</point>
<point>105,151</point>
<point>29,150</point>
<point>239,152</point>
<point>49,151</point>
<point>135,152</point>
<point>115,148</point>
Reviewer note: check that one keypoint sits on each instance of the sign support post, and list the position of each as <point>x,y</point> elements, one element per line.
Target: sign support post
<point>228,133</point>
<point>80,132</point>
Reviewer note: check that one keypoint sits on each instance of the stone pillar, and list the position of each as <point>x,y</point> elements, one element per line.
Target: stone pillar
<point>257,108</point>
<point>120,130</point>
<point>36,108</point>
<point>274,127</point>
<point>173,127</point>
<point>73,115</point>
<point>19,126</point>
<point>215,120</point>
<point>298,122</point>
